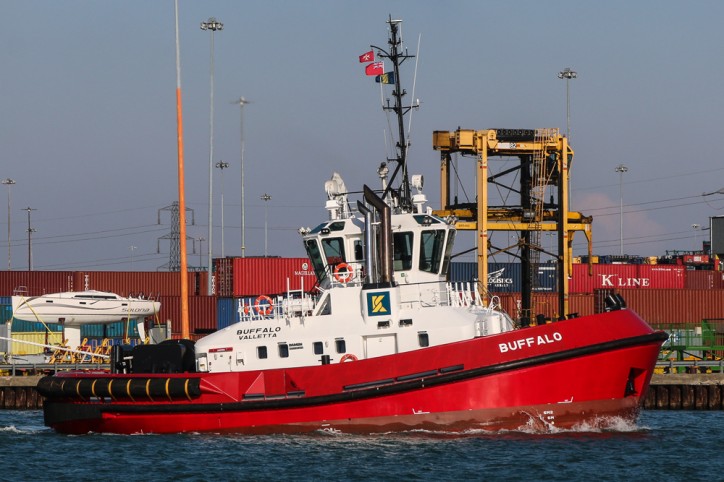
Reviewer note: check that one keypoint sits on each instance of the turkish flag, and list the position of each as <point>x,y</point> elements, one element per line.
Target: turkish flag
<point>375,68</point>
<point>367,57</point>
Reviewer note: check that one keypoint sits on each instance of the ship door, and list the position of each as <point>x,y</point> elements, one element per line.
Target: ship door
<point>380,345</point>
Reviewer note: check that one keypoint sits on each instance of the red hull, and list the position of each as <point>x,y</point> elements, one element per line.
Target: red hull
<point>559,375</point>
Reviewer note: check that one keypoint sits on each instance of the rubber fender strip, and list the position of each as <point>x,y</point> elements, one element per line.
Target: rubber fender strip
<point>128,390</point>
<point>110,383</point>
<point>77,389</point>
<point>186,389</point>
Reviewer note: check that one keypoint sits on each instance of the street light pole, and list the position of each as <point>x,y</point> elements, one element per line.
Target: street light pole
<point>201,250</point>
<point>222,165</point>
<point>621,169</point>
<point>30,231</point>
<point>212,25</point>
<point>568,74</point>
<point>242,102</point>
<point>8,182</point>
<point>696,227</point>
<point>132,248</point>
<point>266,198</point>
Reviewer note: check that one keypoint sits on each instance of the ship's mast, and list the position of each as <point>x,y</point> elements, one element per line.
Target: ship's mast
<point>397,57</point>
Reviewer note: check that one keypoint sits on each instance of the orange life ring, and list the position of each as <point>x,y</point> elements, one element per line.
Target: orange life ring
<point>260,309</point>
<point>343,272</point>
<point>348,357</point>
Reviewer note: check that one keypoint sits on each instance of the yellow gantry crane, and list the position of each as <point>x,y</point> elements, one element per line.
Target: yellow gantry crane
<point>544,160</point>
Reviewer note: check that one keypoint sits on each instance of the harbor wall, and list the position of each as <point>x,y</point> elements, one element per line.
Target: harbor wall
<point>685,392</point>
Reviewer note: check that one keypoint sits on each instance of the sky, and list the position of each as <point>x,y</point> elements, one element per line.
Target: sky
<point>88,116</point>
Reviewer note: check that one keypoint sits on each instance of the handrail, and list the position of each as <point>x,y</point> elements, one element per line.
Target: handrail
<point>671,364</point>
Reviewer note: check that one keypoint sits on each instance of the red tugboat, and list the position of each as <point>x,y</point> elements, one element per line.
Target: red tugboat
<point>387,344</point>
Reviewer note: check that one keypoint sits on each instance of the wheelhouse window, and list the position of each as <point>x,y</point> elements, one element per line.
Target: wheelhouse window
<point>359,252</point>
<point>340,345</point>
<point>283,350</point>
<point>261,352</point>
<point>333,250</point>
<point>431,250</point>
<point>448,252</point>
<point>318,347</point>
<point>402,251</point>
<point>315,256</point>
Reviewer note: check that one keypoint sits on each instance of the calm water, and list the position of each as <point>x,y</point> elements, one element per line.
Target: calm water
<point>663,445</point>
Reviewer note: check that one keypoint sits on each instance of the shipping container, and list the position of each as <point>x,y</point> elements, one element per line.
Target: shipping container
<point>35,339</point>
<point>703,280</point>
<point>272,276</point>
<point>506,277</point>
<point>625,276</point>
<point>202,314</point>
<point>226,312</point>
<point>161,283</point>
<point>34,326</point>
<point>6,313</point>
<point>35,282</point>
<point>119,329</point>
<point>147,283</point>
<point>656,306</point>
<point>4,335</point>
<point>224,277</point>
<point>604,276</point>
<point>675,305</point>
<point>662,277</point>
<point>546,304</point>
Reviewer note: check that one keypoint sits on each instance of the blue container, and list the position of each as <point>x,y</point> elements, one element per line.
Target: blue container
<point>22,326</point>
<point>547,278</point>
<point>506,277</point>
<point>6,300</point>
<point>6,313</point>
<point>109,330</point>
<point>502,277</point>
<point>226,312</point>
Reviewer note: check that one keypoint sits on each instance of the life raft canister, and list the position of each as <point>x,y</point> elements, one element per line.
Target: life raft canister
<point>343,272</point>
<point>260,308</point>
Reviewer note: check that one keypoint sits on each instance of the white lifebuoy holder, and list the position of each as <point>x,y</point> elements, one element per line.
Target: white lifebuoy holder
<point>343,272</point>
<point>264,310</point>
<point>348,357</point>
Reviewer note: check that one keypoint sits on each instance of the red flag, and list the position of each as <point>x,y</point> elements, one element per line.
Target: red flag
<point>375,68</point>
<point>367,57</point>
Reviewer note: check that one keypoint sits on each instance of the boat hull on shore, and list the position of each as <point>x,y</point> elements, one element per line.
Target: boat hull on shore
<point>82,307</point>
<point>545,376</point>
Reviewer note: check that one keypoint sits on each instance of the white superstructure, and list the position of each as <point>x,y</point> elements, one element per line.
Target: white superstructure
<point>382,290</point>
